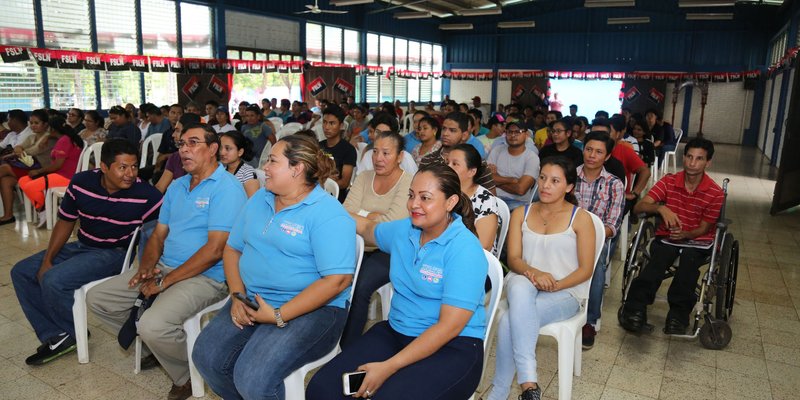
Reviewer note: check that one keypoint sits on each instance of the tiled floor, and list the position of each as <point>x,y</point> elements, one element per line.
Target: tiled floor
<point>761,362</point>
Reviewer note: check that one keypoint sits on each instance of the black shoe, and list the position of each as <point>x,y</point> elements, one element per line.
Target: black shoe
<point>8,221</point>
<point>531,394</point>
<point>588,334</point>
<point>52,349</point>
<point>633,321</point>
<point>149,362</point>
<point>673,326</point>
<point>182,392</point>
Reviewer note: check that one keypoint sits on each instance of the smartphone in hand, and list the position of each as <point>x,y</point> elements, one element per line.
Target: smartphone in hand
<point>351,381</point>
<point>246,301</point>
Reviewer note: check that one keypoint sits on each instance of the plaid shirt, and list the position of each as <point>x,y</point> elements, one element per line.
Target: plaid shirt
<point>604,197</point>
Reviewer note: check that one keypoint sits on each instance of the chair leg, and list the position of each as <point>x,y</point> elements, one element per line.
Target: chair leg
<point>137,354</point>
<point>192,329</point>
<point>623,240</point>
<point>48,207</point>
<point>81,325</point>
<point>294,386</point>
<point>566,356</point>
<point>578,353</point>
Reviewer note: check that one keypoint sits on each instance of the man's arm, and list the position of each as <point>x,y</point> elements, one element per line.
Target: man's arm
<point>643,176</point>
<point>58,238</point>
<point>205,257</point>
<point>518,186</point>
<point>152,252</point>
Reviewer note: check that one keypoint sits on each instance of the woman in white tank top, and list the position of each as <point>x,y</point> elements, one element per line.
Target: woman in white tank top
<point>551,255</point>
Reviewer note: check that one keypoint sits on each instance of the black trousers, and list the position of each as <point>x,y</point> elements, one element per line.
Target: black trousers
<point>681,295</point>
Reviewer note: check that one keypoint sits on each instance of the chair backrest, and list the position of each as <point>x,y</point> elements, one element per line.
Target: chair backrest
<point>131,254</point>
<point>261,176</point>
<point>84,152</point>
<point>289,129</point>
<point>504,217</point>
<point>331,187</point>
<point>495,273</point>
<point>153,141</point>
<point>93,150</point>
<point>599,242</point>
<point>678,136</point>
<point>318,130</point>
<point>533,193</point>
<point>408,120</point>
<point>264,155</point>
<point>277,122</point>
<point>359,258</point>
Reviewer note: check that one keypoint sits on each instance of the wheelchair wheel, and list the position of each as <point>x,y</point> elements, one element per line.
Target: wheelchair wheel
<point>638,255</point>
<point>715,335</point>
<point>725,281</point>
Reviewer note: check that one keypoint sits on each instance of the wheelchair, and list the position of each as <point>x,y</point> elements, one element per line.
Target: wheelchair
<point>716,290</point>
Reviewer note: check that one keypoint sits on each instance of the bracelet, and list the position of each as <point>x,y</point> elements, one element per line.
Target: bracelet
<point>363,213</point>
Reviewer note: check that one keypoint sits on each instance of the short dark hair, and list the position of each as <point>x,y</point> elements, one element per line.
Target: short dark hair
<point>42,115</point>
<point>96,117</point>
<point>477,113</point>
<point>18,115</point>
<point>433,123</point>
<point>653,111</point>
<point>334,110</point>
<point>241,142</point>
<point>575,106</point>
<point>398,139</point>
<point>114,147</point>
<point>213,103</point>
<point>601,114</point>
<point>617,122</point>
<point>472,158</point>
<point>383,117</point>
<point>119,110</point>
<point>151,109</point>
<point>601,122</point>
<point>176,105</point>
<point>700,143</point>
<point>423,112</point>
<point>210,136</point>
<point>600,137</point>
<point>460,118</point>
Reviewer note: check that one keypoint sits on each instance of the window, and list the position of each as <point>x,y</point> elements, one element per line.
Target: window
<point>387,61</point>
<point>426,64</point>
<point>314,42</point>
<point>196,31</point>
<point>400,62</point>
<point>352,47</point>
<point>159,38</point>
<point>21,82</point>
<point>66,26</point>
<point>116,33</point>
<point>414,65</point>
<point>438,65</point>
<point>333,45</point>
<point>372,59</point>
<point>387,51</point>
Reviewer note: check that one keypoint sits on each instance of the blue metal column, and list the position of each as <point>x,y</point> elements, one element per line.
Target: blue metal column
<point>93,36</point>
<point>750,137</point>
<point>362,61</point>
<point>783,102</point>
<point>221,45</point>
<point>139,45</point>
<point>37,13</point>
<point>771,90</point>
<point>178,28</point>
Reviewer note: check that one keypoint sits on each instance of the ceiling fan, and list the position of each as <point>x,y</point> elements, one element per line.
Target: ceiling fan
<point>316,10</point>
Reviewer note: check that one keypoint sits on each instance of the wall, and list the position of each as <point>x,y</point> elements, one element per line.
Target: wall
<point>726,115</point>
<point>762,131</point>
<point>463,91</point>
<point>260,32</point>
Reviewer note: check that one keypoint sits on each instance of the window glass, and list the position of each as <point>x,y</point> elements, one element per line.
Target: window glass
<point>436,90</point>
<point>116,33</point>
<point>197,31</point>
<point>66,26</point>
<point>21,82</point>
<point>254,87</point>
<point>314,42</point>
<point>352,47</point>
<point>387,61</point>
<point>333,45</point>
<point>159,28</point>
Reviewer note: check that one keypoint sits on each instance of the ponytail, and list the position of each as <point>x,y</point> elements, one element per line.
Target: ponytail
<point>301,149</point>
<point>325,167</point>
<point>450,185</point>
<point>465,210</point>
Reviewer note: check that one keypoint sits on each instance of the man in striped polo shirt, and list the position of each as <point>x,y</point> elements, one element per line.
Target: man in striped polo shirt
<point>110,203</point>
<point>692,204</point>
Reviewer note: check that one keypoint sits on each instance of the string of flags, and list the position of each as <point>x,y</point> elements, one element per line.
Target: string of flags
<point>70,59</point>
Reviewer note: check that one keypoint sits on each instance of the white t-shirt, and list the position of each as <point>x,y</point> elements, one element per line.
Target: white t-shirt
<point>13,138</point>
<point>526,163</point>
<point>225,128</point>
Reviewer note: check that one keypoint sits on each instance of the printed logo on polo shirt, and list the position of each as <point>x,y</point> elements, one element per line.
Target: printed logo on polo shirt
<point>430,273</point>
<point>202,202</point>
<point>290,228</point>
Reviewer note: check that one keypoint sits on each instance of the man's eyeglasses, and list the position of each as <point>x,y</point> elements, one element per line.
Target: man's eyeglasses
<point>192,143</point>
<point>513,132</point>
<point>560,131</point>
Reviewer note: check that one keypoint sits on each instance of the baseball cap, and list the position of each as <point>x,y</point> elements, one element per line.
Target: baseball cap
<point>476,98</point>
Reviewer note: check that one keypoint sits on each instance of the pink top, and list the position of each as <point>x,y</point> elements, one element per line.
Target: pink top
<point>65,149</point>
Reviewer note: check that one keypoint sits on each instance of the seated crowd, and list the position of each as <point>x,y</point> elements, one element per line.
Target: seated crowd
<point>234,208</point>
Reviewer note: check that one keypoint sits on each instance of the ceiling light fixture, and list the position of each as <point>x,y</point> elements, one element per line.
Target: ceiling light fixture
<point>412,15</point>
<point>705,3</point>
<point>628,20</point>
<point>340,3</point>
<point>709,16</point>
<point>480,12</point>
<point>516,24</point>
<point>609,3</point>
<point>455,27</point>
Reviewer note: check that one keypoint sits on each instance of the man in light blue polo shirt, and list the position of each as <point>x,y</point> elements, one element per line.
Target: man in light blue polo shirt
<point>182,262</point>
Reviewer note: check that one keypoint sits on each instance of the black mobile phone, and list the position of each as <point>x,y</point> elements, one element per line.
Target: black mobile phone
<point>245,300</point>
<point>351,381</point>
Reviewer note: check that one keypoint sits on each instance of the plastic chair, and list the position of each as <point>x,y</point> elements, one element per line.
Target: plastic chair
<point>79,314</point>
<point>152,141</point>
<point>54,195</point>
<point>504,214</point>
<point>672,155</point>
<point>568,333</point>
<point>294,384</point>
<point>332,187</point>
<point>277,122</point>
<point>318,131</point>
<point>405,126</point>
<point>622,241</point>
<point>261,176</point>
<point>289,129</point>
<point>262,159</point>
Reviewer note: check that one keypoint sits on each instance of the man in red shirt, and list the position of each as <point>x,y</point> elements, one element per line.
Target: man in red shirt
<point>630,161</point>
<point>692,203</point>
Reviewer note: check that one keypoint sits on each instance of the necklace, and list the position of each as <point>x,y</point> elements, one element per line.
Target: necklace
<point>539,210</point>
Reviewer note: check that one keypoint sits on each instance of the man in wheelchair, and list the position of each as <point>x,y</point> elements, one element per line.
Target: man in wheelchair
<point>689,204</point>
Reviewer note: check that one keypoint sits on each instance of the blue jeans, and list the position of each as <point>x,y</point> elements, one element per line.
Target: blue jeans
<point>251,363</point>
<point>373,274</point>
<point>528,311</point>
<point>48,304</point>
<point>452,372</point>
<point>513,203</point>
<point>597,286</point>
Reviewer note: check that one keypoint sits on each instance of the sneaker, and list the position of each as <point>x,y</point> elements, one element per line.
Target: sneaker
<point>52,349</point>
<point>181,392</point>
<point>531,394</point>
<point>588,336</point>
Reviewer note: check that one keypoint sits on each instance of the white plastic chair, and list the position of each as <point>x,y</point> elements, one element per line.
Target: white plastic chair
<point>672,155</point>
<point>622,241</point>
<point>332,187</point>
<point>318,131</point>
<point>262,159</point>
<point>568,333</point>
<point>261,176</point>
<point>289,129</point>
<point>277,122</point>
<point>294,384</point>
<point>152,141</point>
<point>504,215</point>
<point>405,126</point>
<point>54,195</point>
<point>79,314</point>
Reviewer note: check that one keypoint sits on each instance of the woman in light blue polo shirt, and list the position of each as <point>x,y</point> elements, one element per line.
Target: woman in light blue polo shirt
<point>291,251</point>
<point>432,345</point>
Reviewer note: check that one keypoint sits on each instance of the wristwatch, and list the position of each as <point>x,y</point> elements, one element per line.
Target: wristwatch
<point>160,283</point>
<point>278,320</point>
